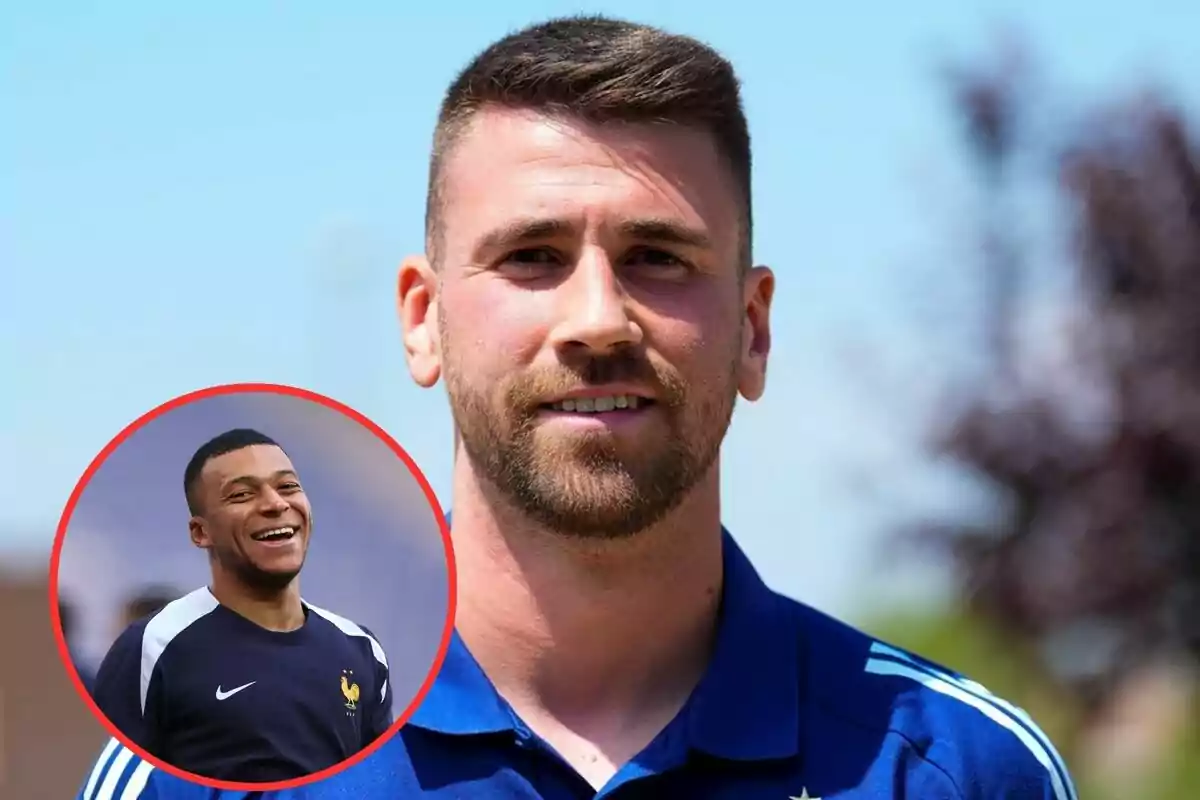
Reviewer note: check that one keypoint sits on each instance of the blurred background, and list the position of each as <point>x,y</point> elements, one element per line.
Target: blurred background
<point>985,221</point>
<point>376,555</point>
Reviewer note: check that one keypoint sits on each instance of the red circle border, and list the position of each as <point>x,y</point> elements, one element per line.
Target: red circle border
<point>261,388</point>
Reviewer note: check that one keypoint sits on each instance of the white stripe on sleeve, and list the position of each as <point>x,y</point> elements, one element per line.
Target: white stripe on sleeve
<point>109,787</point>
<point>98,769</point>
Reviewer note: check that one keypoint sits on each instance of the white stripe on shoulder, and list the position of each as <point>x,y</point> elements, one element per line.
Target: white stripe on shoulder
<point>983,693</point>
<point>881,649</point>
<point>1063,790</point>
<point>168,623</point>
<point>98,769</point>
<point>351,629</point>
<point>108,787</point>
<point>137,781</point>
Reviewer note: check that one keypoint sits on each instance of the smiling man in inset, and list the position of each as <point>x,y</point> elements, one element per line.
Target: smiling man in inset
<point>242,680</point>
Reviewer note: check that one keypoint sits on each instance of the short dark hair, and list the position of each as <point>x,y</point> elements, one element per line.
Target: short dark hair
<point>598,69</point>
<point>149,600</point>
<point>227,442</point>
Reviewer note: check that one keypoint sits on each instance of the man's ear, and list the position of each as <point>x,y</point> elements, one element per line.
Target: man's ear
<point>416,302</point>
<point>758,291</point>
<point>198,532</point>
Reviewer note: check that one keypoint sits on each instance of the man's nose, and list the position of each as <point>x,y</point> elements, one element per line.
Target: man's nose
<point>595,310</point>
<point>273,501</point>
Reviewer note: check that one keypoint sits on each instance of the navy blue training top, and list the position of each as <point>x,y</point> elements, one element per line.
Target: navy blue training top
<point>212,693</point>
<point>793,705</point>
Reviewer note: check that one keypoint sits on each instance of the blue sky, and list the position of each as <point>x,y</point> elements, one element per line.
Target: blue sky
<point>222,192</point>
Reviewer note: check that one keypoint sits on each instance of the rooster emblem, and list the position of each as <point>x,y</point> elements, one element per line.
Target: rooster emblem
<point>349,689</point>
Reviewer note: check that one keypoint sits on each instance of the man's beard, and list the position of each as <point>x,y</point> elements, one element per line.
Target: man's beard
<point>250,575</point>
<point>587,485</point>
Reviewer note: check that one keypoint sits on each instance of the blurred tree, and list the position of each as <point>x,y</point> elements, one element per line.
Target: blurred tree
<point>1092,563</point>
<point>1099,543</point>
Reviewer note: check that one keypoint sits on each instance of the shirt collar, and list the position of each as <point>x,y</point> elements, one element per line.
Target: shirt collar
<point>462,701</point>
<point>746,707</point>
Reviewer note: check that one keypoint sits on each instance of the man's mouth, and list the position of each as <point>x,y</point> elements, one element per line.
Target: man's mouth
<point>274,534</point>
<point>599,405</point>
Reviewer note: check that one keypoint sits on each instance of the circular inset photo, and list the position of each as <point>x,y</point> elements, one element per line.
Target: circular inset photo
<point>253,587</point>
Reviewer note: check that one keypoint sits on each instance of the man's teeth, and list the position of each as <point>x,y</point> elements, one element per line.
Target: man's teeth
<point>277,533</point>
<point>594,405</point>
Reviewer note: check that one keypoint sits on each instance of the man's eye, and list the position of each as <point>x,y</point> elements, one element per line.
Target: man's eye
<point>653,259</point>
<point>530,263</point>
<point>532,255</point>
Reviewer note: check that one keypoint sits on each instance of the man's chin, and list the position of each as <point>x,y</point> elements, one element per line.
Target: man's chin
<point>273,576</point>
<point>602,494</point>
<point>592,523</point>
<point>587,505</point>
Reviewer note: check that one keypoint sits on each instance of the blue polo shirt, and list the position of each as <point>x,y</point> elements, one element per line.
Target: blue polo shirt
<point>793,705</point>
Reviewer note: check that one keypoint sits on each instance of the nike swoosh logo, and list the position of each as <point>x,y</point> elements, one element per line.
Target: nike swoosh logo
<point>226,695</point>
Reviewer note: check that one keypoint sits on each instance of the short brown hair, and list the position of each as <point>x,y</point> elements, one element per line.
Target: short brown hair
<point>598,69</point>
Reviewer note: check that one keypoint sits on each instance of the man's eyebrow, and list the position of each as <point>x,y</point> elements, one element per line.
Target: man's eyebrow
<point>255,479</point>
<point>657,230</point>
<point>665,231</point>
<point>523,231</point>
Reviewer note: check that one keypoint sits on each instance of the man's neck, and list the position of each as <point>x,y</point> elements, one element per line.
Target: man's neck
<point>277,610</point>
<point>597,645</point>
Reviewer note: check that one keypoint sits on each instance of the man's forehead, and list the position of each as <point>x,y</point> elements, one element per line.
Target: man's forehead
<point>515,163</point>
<point>258,460</point>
